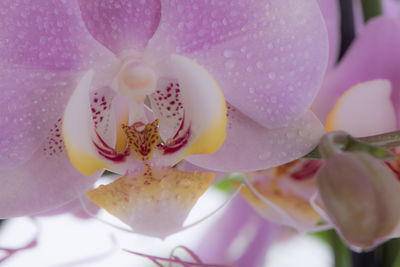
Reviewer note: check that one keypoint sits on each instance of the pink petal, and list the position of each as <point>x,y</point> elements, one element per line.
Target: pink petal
<point>249,146</point>
<point>43,46</point>
<point>262,53</point>
<point>391,8</point>
<point>374,55</point>
<point>354,106</point>
<point>45,34</point>
<point>121,25</point>
<point>45,182</point>
<point>30,104</point>
<point>282,194</point>
<point>330,11</point>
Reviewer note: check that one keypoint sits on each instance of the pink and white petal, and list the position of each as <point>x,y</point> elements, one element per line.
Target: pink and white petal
<point>270,53</point>
<point>249,146</point>
<point>192,109</point>
<point>43,47</point>
<point>276,205</point>
<point>121,25</point>
<point>167,104</point>
<point>330,11</point>
<point>154,202</point>
<point>282,194</point>
<point>373,55</point>
<point>45,182</point>
<point>87,150</point>
<point>365,109</point>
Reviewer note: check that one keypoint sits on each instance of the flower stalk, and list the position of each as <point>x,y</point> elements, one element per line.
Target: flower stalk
<point>371,8</point>
<point>376,145</point>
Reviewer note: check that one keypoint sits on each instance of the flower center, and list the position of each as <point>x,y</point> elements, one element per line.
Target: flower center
<point>135,81</point>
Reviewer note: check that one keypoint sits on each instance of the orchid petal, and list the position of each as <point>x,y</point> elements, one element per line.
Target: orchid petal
<point>365,109</point>
<point>154,202</point>
<point>30,104</point>
<point>264,148</point>
<point>193,104</point>
<point>391,8</point>
<point>42,47</point>
<point>38,185</point>
<point>277,195</point>
<point>330,11</point>
<point>121,25</point>
<point>268,53</point>
<point>81,141</point>
<point>374,55</point>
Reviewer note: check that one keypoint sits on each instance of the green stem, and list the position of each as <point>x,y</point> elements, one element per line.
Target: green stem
<point>341,252</point>
<point>386,141</point>
<point>371,8</point>
<point>390,253</point>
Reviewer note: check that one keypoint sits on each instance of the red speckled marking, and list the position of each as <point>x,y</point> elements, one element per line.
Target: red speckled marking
<point>108,152</point>
<point>54,142</point>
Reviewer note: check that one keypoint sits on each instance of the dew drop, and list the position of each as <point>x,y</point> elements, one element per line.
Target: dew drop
<point>228,53</point>
<point>230,64</point>
<point>272,75</point>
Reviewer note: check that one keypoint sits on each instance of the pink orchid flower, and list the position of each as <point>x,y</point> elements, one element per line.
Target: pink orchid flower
<point>360,96</point>
<point>136,86</point>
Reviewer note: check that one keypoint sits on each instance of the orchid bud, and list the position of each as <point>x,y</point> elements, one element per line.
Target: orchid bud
<point>360,196</point>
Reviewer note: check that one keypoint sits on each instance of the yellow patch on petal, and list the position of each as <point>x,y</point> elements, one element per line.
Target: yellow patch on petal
<point>143,140</point>
<point>282,170</point>
<point>296,207</point>
<point>121,140</point>
<point>204,104</point>
<point>153,202</point>
<point>82,161</point>
<point>212,138</point>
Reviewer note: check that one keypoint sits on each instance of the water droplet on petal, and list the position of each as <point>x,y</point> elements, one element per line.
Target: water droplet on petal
<point>272,75</point>
<point>230,64</point>
<point>228,53</point>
